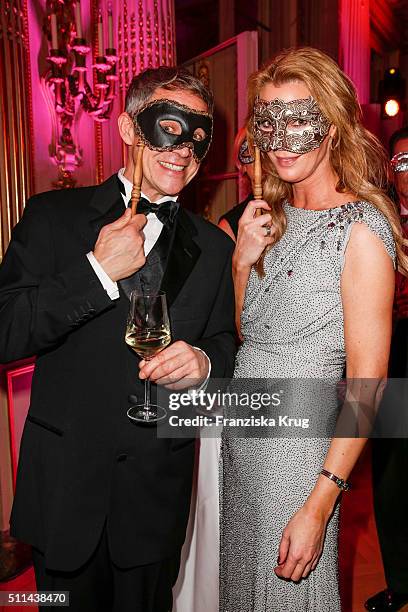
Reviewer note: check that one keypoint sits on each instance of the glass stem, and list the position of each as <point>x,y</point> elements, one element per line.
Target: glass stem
<point>147,394</point>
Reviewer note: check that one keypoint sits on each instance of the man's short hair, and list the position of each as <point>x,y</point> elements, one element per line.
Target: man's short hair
<point>397,136</point>
<point>145,84</point>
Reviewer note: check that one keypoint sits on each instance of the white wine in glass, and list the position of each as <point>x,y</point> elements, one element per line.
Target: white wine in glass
<point>147,333</point>
<point>148,343</point>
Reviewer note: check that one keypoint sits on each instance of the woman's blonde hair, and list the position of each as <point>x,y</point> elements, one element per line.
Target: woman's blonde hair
<point>356,156</point>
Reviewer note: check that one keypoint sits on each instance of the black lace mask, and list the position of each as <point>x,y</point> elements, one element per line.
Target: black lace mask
<point>166,125</point>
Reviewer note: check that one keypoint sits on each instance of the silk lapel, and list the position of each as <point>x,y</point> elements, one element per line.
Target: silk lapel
<point>106,206</point>
<point>182,258</point>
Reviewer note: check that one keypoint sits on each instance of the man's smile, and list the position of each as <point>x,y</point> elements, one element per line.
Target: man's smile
<point>170,166</point>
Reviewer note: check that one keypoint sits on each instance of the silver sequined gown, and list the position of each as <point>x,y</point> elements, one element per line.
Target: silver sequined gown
<point>292,325</point>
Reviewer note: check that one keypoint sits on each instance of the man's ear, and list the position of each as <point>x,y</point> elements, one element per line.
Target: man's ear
<point>126,129</point>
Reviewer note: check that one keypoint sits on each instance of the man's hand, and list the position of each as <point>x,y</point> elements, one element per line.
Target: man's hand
<point>176,367</point>
<point>119,248</point>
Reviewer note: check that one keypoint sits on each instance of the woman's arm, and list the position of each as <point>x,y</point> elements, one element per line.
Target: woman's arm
<point>367,290</point>
<point>240,275</point>
<point>251,242</point>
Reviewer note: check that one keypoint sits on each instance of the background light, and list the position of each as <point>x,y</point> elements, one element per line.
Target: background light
<point>392,108</point>
<point>391,93</point>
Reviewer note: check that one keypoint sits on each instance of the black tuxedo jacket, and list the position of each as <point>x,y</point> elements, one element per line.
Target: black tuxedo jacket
<point>82,462</point>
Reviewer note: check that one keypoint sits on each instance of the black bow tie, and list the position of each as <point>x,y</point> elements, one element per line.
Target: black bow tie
<point>165,211</point>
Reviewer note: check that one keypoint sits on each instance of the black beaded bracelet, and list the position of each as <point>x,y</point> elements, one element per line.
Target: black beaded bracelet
<point>342,484</point>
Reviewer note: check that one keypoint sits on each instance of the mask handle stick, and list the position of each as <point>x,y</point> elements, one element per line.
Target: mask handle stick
<point>137,175</point>
<point>257,191</point>
<point>257,182</point>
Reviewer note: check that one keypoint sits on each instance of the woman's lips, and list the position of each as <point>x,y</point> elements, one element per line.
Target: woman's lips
<point>286,162</point>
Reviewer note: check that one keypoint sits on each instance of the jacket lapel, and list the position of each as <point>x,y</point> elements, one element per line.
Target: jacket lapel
<point>182,258</point>
<point>106,206</point>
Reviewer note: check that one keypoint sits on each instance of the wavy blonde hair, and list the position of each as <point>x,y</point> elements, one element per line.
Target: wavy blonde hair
<point>356,156</point>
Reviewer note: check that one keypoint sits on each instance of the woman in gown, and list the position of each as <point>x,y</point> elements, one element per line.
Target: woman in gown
<point>332,239</point>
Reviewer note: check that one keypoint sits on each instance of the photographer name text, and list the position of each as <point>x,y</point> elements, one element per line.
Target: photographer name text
<point>251,421</point>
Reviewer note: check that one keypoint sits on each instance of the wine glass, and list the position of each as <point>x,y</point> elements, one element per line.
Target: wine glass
<point>147,333</point>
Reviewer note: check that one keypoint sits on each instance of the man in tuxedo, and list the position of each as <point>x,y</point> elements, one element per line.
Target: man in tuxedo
<point>104,502</point>
<point>390,455</point>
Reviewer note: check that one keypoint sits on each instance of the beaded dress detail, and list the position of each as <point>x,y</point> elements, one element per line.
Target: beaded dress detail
<point>292,324</point>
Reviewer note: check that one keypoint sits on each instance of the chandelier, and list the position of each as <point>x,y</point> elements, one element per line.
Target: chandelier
<point>66,83</point>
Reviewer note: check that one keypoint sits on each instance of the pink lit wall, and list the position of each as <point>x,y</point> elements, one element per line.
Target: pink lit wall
<point>143,36</point>
<point>45,169</point>
<point>354,44</point>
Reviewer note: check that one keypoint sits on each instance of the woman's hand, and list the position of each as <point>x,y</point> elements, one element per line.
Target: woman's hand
<point>301,544</point>
<point>254,234</point>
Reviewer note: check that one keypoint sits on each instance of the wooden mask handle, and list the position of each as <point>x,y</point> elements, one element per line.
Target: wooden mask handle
<point>257,182</point>
<point>137,175</point>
